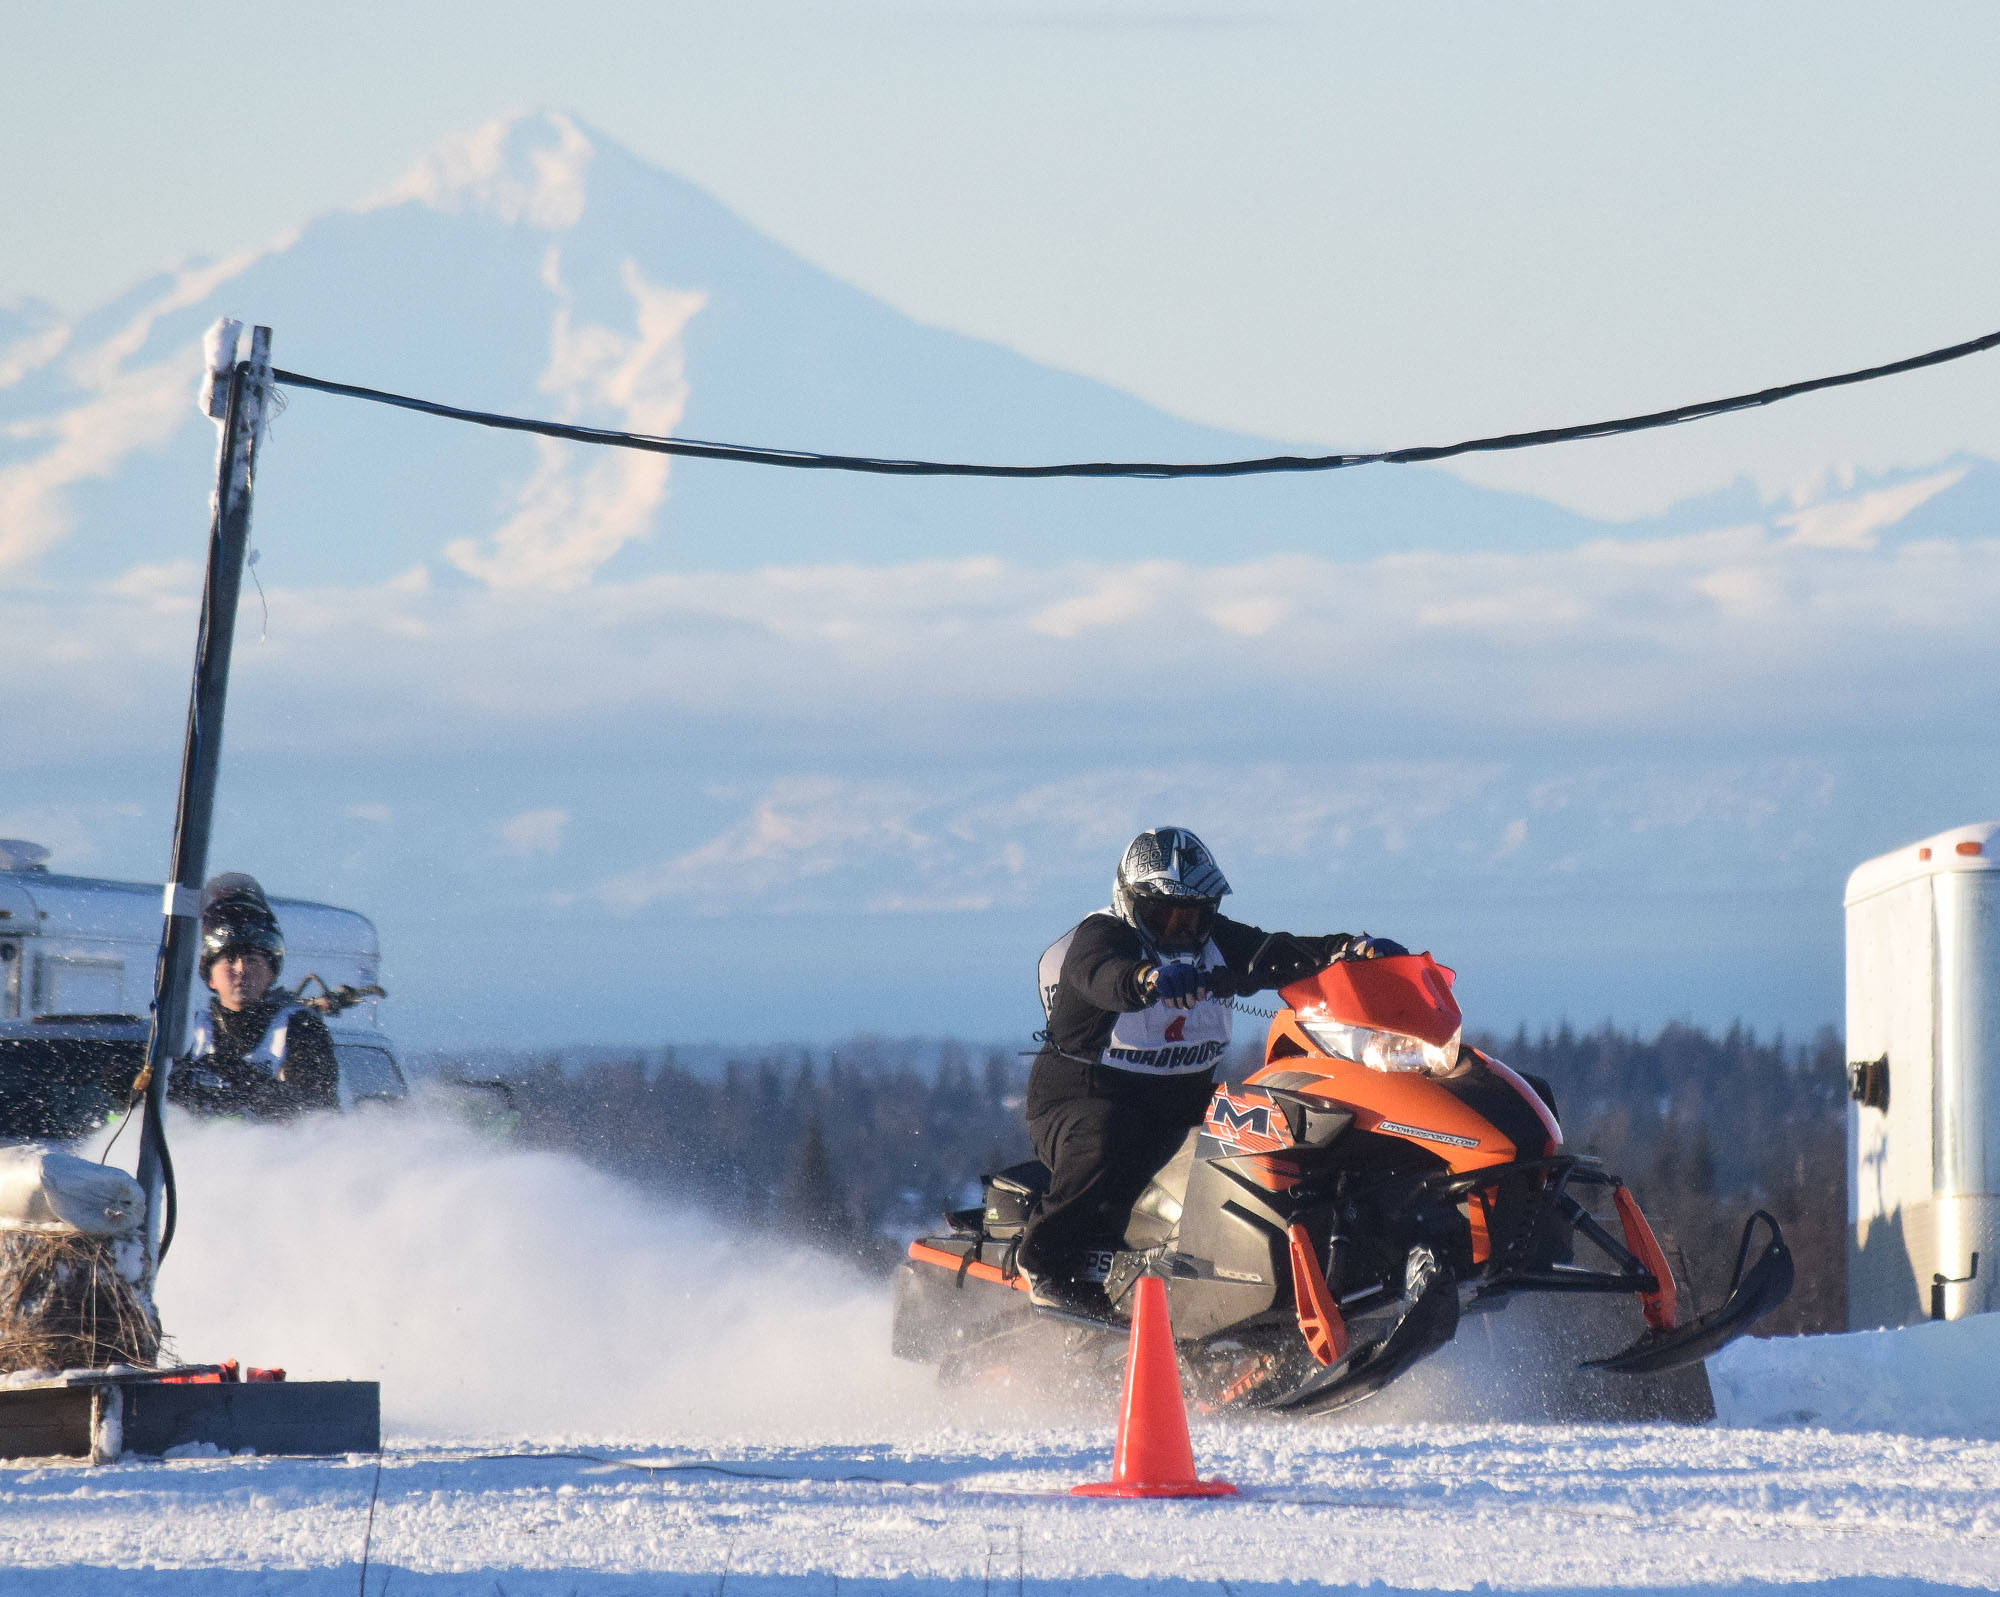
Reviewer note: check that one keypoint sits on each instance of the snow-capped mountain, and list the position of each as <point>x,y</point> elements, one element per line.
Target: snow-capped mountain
<point>535,267</point>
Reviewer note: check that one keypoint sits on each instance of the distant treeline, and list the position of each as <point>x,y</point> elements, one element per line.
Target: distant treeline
<point>860,1147</point>
<point>848,1149</point>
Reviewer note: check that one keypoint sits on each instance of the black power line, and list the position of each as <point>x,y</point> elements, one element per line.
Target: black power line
<point>808,460</point>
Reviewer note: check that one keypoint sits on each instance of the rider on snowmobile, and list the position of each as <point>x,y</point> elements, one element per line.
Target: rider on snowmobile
<point>1138,1018</point>
<point>257,1049</point>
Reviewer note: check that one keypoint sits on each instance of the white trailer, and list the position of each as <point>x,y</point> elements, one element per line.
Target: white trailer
<point>77,956</point>
<point>1923,1044</point>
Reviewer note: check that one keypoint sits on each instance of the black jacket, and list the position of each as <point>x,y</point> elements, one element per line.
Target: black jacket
<point>1100,978</point>
<point>223,1082</point>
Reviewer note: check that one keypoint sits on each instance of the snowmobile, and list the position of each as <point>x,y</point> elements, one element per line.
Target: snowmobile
<point>1328,1222</point>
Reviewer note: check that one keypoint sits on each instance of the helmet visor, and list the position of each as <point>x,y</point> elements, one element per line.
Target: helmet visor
<point>1175,925</point>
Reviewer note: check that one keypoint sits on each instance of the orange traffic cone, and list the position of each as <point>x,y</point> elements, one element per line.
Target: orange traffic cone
<point>1154,1456</point>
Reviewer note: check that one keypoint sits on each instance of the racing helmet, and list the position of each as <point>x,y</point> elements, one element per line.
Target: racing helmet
<point>236,918</point>
<point>1168,889</point>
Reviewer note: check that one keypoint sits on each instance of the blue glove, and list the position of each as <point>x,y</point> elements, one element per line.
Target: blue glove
<point>1366,947</point>
<point>1177,984</point>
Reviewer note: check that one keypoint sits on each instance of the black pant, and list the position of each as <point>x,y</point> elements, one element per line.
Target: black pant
<point>1103,1133</point>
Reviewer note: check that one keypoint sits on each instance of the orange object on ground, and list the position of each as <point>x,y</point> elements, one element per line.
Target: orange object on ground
<point>226,1375</point>
<point>1154,1457</point>
<point>1320,1320</point>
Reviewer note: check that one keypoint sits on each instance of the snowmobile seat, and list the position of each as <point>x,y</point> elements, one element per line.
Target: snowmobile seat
<point>1010,1197</point>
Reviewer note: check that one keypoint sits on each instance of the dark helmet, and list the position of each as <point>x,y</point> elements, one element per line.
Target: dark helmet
<point>236,918</point>
<point>1168,888</point>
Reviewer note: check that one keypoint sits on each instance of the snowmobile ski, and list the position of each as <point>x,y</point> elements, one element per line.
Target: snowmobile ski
<point>1425,1325</point>
<point>1754,1293</point>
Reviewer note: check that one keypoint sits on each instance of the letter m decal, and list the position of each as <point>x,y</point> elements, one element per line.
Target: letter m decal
<point>1227,1117</point>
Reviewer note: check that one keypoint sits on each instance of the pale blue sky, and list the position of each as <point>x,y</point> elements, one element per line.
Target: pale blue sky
<point>1344,224</point>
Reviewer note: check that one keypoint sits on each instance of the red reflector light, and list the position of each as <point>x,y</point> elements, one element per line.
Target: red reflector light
<point>1923,853</point>
<point>1970,848</point>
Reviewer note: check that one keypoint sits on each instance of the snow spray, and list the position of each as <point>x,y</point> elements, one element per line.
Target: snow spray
<point>497,1291</point>
<point>504,1292</point>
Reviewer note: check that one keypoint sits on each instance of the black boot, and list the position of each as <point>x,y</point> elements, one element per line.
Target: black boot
<point>1078,1289</point>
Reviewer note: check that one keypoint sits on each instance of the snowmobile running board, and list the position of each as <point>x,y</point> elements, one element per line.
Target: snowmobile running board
<point>1753,1293</point>
<point>103,1414</point>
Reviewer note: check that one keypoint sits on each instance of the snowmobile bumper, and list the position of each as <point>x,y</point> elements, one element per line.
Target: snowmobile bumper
<point>1759,1286</point>
<point>1638,1266</point>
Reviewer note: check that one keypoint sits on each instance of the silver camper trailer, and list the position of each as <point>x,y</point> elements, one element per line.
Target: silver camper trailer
<point>1923,1044</point>
<point>76,979</point>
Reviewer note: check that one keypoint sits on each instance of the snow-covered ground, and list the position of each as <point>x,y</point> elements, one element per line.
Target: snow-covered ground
<point>517,1304</point>
<point>1921,1380</point>
<point>1552,1509</point>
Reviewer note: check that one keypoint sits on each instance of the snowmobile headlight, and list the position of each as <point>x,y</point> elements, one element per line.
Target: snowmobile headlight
<point>1386,1051</point>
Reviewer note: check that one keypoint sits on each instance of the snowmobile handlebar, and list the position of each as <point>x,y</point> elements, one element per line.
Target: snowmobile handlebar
<point>1280,960</point>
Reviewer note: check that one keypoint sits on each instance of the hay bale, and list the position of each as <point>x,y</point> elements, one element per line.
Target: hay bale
<point>65,1304</point>
<point>73,1287</point>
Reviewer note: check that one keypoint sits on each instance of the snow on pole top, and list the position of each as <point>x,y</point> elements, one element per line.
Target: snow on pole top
<point>218,353</point>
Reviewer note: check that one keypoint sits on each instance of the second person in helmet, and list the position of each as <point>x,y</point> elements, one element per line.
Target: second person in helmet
<point>1138,1018</point>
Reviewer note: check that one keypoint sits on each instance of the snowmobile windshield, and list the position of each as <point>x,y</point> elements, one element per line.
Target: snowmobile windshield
<point>1175,925</point>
